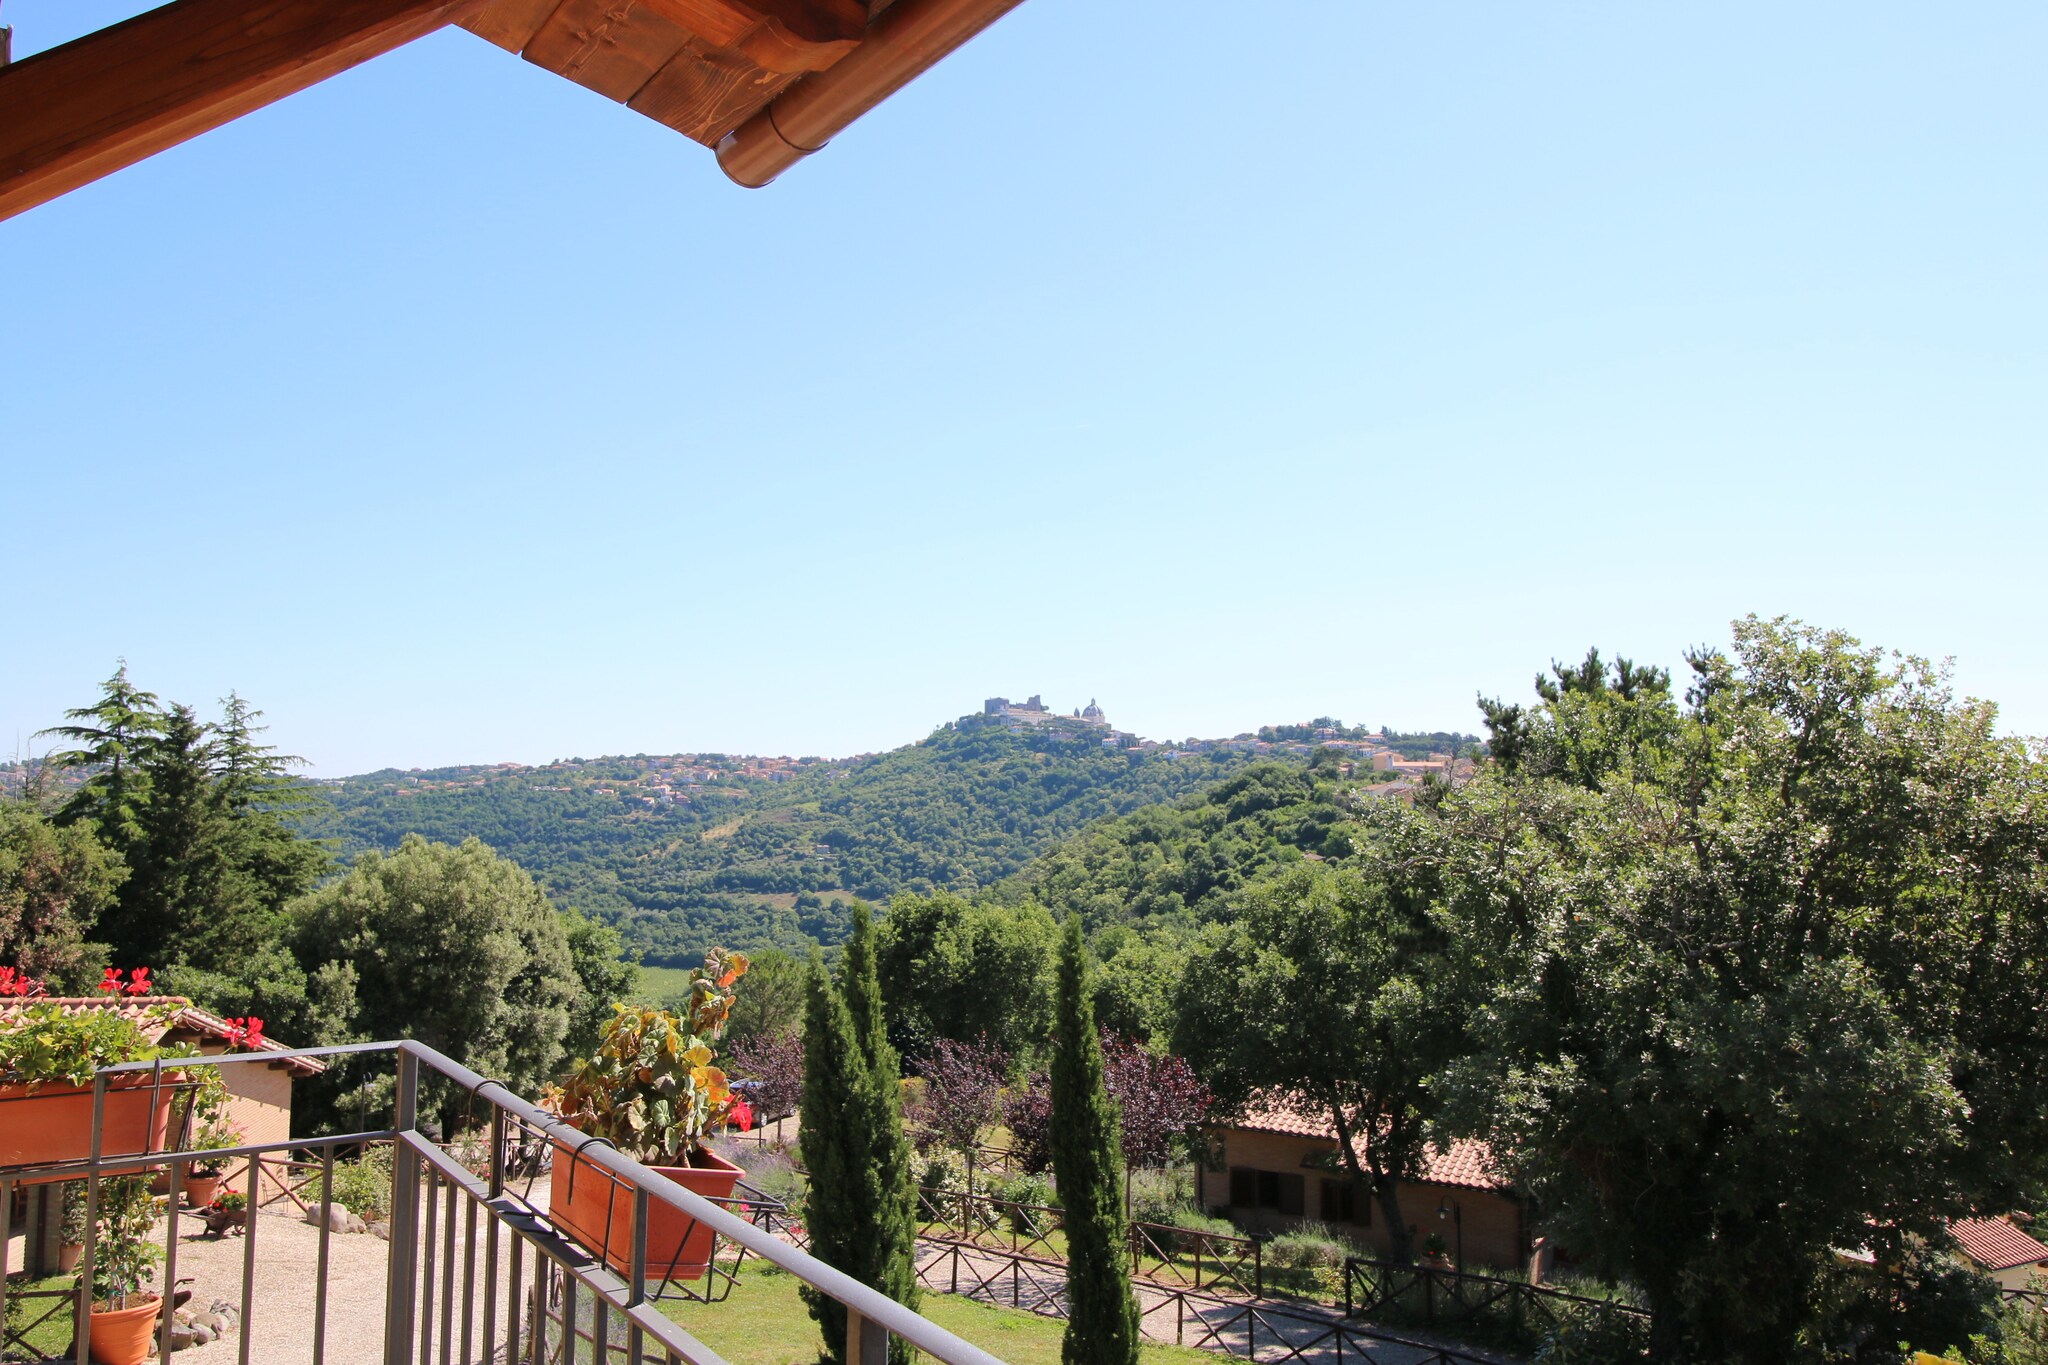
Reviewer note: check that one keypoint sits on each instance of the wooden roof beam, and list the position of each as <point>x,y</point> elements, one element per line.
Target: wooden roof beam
<point>86,109</point>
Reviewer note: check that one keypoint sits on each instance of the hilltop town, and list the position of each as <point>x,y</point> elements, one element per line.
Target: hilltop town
<point>1390,764</point>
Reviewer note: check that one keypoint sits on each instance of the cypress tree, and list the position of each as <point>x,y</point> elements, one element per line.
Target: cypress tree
<point>1087,1155</point>
<point>860,1209</point>
<point>860,979</point>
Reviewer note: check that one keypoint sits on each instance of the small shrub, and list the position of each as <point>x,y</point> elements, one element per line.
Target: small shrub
<point>1159,1196</point>
<point>1307,1245</point>
<point>940,1175</point>
<point>772,1173</point>
<point>363,1186</point>
<point>1194,1220</point>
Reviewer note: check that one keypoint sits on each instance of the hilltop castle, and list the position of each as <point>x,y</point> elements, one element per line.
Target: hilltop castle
<point>1036,712</point>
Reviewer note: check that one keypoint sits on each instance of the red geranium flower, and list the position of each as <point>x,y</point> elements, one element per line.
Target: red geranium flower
<point>245,1032</point>
<point>20,983</point>
<point>138,982</point>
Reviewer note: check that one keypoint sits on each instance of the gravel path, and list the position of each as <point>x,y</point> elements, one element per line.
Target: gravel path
<point>281,1315</point>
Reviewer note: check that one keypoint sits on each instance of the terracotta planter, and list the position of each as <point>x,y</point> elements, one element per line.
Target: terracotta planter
<point>122,1336</point>
<point>585,1203</point>
<point>200,1189</point>
<point>67,1256</point>
<point>43,1124</point>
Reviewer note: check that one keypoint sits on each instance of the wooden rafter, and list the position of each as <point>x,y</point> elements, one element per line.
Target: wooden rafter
<point>75,113</point>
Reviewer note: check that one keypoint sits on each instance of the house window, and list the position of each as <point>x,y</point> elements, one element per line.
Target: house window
<point>1274,1190</point>
<point>1341,1204</point>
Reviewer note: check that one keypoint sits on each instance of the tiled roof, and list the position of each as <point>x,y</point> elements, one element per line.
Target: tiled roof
<point>1996,1244</point>
<point>182,1014</point>
<point>1467,1162</point>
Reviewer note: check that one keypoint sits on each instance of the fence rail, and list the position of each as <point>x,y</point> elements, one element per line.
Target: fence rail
<point>1512,1312</point>
<point>1185,1258</point>
<point>1260,1332</point>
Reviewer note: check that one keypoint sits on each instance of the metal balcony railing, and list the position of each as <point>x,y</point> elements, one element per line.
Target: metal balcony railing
<point>476,1273</point>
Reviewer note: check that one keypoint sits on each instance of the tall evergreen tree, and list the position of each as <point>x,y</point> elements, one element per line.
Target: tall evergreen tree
<point>253,786</point>
<point>112,734</point>
<point>861,1209</point>
<point>1087,1157</point>
<point>860,980</point>
<point>185,900</point>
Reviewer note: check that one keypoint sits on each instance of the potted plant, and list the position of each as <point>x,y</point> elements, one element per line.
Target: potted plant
<point>71,1226</point>
<point>203,1177</point>
<point>1436,1251</point>
<point>47,1060</point>
<point>229,1210</point>
<point>652,1092</point>
<point>124,1310</point>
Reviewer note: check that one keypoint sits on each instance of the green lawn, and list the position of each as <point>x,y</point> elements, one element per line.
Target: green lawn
<point>51,1336</point>
<point>662,983</point>
<point>763,1322</point>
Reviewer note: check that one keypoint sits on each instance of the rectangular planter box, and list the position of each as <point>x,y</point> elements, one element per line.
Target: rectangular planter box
<point>43,1124</point>
<point>587,1204</point>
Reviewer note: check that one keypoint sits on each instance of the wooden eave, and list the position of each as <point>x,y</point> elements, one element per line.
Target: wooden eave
<point>716,71</point>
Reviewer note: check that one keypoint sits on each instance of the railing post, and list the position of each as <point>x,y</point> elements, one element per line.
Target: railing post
<point>636,1281</point>
<point>867,1341</point>
<point>82,1318</point>
<point>6,1236</point>
<point>405,1211</point>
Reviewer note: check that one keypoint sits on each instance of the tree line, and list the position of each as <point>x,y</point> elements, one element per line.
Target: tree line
<point>1730,976</point>
<point>180,850</point>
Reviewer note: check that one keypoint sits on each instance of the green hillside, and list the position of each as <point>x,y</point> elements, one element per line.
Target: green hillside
<point>685,851</point>
<point>1174,865</point>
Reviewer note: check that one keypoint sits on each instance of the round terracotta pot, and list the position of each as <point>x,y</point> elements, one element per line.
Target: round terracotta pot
<point>67,1257</point>
<point>200,1189</point>
<point>121,1336</point>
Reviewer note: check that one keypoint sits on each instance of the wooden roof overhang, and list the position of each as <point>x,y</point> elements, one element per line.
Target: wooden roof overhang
<point>765,82</point>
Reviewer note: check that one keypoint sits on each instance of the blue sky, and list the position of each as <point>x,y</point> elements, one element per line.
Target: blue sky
<point>1347,358</point>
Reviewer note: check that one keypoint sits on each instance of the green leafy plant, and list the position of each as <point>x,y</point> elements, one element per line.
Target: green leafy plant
<point>43,1045</point>
<point>71,1216</point>
<point>230,1201</point>
<point>215,1132</point>
<point>363,1186</point>
<point>651,1089</point>
<point>125,1254</point>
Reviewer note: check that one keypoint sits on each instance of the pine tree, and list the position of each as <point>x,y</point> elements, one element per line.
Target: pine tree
<point>1087,1147</point>
<point>113,734</point>
<point>860,1211</point>
<point>185,900</point>
<point>253,786</point>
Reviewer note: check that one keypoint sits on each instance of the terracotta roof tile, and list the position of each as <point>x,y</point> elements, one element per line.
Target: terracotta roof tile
<point>1996,1244</point>
<point>1467,1162</point>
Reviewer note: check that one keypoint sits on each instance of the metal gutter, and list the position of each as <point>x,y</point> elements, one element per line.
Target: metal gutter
<point>908,39</point>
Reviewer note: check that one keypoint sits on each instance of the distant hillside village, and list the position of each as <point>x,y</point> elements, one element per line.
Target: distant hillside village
<point>658,780</point>
<point>1364,752</point>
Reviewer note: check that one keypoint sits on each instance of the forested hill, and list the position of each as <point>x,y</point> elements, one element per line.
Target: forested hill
<point>686,851</point>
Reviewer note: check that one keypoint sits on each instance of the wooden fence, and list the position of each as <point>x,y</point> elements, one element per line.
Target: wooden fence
<point>1182,1258</point>
<point>1511,1313</point>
